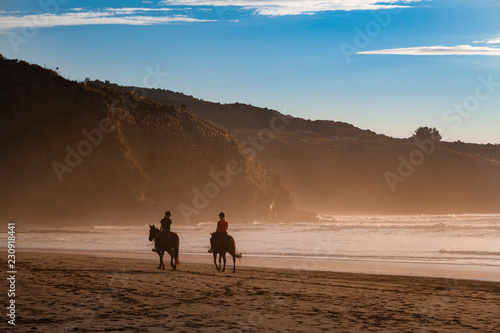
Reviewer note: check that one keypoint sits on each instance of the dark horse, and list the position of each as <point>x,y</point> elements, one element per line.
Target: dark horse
<point>169,242</point>
<point>222,245</point>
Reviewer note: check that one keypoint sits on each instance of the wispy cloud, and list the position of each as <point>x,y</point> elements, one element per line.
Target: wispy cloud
<point>488,41</point>
<point>77,16</point>
<point>130,10</point>
<point>295,7</point>
<point>439,50</point>
<point>151,16</point>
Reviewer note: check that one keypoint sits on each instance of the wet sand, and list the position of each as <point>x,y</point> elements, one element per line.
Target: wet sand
<point>461,271</point>
<point>86,293</point>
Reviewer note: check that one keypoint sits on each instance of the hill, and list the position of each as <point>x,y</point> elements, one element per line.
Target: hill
<point>337,168</point>
<point>75,153</point>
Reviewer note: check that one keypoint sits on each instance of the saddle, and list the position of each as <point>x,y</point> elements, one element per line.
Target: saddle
<point>165,235</point>
<point>217,236</point>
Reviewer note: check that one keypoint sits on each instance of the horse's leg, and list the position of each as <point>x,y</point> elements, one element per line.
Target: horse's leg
<point>215,261</point>
<point>176,253</point>
<point>161,260</point>
<point>172,262</point>
<point>220,261</point>
<point>224,257</point>
<point>159,255</point>
<point>234,263</point>
<point>172,259</point>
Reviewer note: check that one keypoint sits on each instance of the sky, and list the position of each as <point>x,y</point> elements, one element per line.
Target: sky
<point>388,66</point>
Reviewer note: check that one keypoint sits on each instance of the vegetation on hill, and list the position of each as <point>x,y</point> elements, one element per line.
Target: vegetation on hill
<point>334,167</point>
<point>76,152</point>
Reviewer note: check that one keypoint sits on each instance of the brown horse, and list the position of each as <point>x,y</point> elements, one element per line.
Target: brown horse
<point>169,242</point>
<point>221,245</point>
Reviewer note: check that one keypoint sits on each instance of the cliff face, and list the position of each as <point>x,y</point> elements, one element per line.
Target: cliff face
<point>336,168</point>
<point>74,153</point>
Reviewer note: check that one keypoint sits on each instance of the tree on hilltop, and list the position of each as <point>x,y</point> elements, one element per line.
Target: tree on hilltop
<point>423,133</point>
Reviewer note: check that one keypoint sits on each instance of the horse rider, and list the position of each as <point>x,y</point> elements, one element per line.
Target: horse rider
<point>222,226</point>
<point>165,227</point>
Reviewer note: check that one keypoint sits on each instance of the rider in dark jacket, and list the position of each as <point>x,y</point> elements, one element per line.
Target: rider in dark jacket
<point>165,227</point>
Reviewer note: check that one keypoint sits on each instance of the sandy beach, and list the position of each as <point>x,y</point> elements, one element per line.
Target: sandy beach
<point>57,292</point>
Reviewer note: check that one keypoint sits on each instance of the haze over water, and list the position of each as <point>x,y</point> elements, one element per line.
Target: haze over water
<point>436,239</point>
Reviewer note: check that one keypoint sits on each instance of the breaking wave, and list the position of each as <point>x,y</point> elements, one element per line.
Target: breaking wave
<point>478,253</point>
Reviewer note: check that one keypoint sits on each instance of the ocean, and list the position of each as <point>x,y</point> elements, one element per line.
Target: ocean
<point>438,239</point>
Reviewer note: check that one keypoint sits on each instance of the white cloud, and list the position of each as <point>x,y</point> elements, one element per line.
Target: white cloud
<point>440,50</point>
<point>130,10</point>
<point>295,7</point>
<point>77,17</point>
<point>493,41</point>
<point>488,41</point>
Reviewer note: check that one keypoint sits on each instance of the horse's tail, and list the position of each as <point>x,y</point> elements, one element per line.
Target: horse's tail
<point>232,248</point>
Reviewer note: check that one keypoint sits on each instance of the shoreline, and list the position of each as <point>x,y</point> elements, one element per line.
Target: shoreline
<point>432,270</point>
<point>57,292</point>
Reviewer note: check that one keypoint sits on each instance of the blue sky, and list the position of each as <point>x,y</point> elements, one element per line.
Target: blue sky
<point>388,66</point>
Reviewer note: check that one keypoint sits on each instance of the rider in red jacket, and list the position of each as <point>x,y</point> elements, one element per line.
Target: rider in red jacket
<point>222,227</point>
